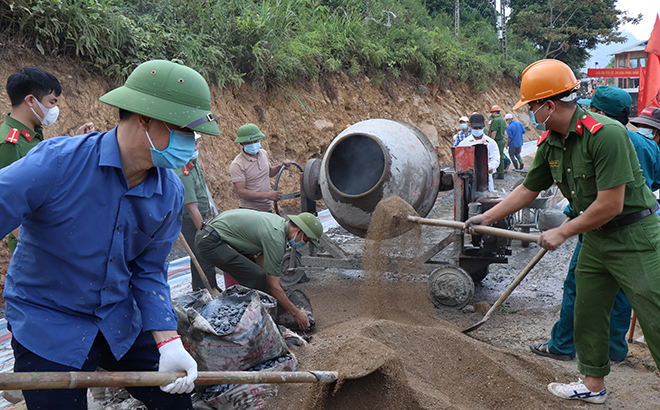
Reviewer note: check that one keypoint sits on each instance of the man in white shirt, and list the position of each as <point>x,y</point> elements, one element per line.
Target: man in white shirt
<point>478,123</point>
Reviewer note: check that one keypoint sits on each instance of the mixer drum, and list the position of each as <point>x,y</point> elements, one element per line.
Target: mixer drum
<point>374,160</point>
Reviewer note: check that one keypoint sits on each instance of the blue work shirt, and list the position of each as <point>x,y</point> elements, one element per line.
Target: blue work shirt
<point>91,255</point>
<point>515,132</point>
<point>648,154</point>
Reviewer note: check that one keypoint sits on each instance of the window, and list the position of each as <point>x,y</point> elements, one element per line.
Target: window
<point>634,62</point>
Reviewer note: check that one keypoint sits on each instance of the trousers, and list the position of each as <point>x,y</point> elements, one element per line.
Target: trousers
<point>142,356</point>
<point>628,258</point>
<point>239,265</point>
<point>561,337</point>
<point>188,229</point>
<point>500,145</point>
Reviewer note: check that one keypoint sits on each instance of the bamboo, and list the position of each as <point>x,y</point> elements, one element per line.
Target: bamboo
<point>79,380</point>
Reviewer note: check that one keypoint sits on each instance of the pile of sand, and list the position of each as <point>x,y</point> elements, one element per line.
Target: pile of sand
<point>408,357</point>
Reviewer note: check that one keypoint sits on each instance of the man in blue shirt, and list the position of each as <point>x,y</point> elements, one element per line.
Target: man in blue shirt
<point>99,213</point>
<point>464,123</point>
<point>514,132</point>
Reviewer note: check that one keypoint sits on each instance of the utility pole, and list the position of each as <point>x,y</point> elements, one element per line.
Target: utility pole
<point>502,18</point>
<point>456,17</point>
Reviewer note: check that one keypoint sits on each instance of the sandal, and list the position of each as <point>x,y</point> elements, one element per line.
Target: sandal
<point>543,349</point>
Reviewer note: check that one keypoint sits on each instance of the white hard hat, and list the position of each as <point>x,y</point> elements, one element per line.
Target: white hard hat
<point>508,116</point>
<point>466,119</point>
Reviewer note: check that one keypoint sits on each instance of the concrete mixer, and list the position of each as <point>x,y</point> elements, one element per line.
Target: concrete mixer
<point>378,158</point>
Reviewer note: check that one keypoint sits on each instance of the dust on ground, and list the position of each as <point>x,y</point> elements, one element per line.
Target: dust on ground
<point>430,364</point>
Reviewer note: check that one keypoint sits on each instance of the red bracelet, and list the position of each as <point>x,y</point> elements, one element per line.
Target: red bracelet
<point>164,342</point>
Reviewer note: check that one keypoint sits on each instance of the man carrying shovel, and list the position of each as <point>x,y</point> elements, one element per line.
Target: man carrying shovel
<point>231,239</point>
<point>87,285</point>
<point>592,160</point>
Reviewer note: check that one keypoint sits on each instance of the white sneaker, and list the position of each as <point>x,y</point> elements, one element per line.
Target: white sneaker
<point>577,391</point>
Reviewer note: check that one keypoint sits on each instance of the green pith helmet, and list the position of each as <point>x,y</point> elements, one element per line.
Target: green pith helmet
<point>248,133</point>
<point>167,91</point>
<point>310,225</point>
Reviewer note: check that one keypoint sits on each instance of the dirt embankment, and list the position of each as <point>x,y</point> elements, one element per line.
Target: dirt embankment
<point>299,121</point>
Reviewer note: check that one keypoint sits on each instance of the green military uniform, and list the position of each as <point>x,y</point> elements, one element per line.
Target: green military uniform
<point>238,234</point>
<point>194,185</point>
<point>15,141</point>
<point>597,155</point>
<point>498,124</point>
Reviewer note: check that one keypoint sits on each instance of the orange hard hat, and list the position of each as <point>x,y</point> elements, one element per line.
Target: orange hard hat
<point>495,108</point>
<point>544,79</point>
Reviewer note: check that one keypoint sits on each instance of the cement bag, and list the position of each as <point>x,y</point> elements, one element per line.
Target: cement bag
<point>232,332</point>
<point>246,396</point>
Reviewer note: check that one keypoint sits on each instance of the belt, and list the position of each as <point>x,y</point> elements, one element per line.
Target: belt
<point>210,230</point>
<point>628,219</point>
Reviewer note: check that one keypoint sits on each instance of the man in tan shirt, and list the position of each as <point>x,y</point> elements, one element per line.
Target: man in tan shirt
<point>251,171</point>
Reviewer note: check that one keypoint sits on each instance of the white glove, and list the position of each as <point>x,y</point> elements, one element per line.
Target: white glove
<point>173,357</point>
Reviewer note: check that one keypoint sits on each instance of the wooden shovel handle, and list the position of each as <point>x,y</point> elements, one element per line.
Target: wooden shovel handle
<point>200,272</point>
<point>525,237</point>
<point>79,380</point>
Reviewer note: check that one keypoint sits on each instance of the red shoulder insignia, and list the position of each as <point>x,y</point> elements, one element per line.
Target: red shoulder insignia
<point>590,123</point>
<point>542,138</point>
<point>12,137</point>
<point>27,135</point>
<point>187,168</point>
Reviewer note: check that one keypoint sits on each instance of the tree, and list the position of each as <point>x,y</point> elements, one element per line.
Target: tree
<point>567,30</point>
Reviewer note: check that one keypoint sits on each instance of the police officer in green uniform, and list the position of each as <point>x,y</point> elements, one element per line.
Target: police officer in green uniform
<point>230,241</point>
<point>592,160</point>
<point>195,210</point>
<point>33,93</point>
<point>497,132</point>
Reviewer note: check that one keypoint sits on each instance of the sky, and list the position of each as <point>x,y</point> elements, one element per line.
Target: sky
<point>649,8</point>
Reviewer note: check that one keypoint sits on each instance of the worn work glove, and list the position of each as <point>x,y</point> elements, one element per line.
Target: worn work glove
<point>173,357</point>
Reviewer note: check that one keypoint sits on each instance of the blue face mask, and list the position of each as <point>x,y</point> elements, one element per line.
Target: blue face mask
<point>647,132</point>
<point>532,119</point>
<point>195,155</point>
<point>177,154</point>
<point>295,244</point>
<point>252,148</point>
<point>477,133</point>
<point>463,126</point>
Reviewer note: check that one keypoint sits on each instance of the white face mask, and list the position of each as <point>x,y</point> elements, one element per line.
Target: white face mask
<point>647,132</point>
<point>50,114</point>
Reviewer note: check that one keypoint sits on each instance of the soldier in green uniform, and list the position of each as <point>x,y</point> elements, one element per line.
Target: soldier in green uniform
<point>195,210</point>
<point>592,160</point>
<point>497,132</point>
<point>33,93</point>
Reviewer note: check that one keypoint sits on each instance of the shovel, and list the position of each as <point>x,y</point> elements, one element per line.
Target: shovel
<point>525,237</point>
<point>81,380</point>
<point>511,287</point>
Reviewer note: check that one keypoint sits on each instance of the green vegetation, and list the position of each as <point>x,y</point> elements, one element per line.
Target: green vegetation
<point>270,42</point>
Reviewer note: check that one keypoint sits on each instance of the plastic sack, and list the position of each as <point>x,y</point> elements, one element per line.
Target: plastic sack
<point>233,332</point>
<point>246,396</point>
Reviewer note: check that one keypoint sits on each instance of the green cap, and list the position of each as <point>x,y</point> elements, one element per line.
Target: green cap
<point>167,91</point>
<point>310,225</point>
<point>613,101</point>
<point>248,133</point>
